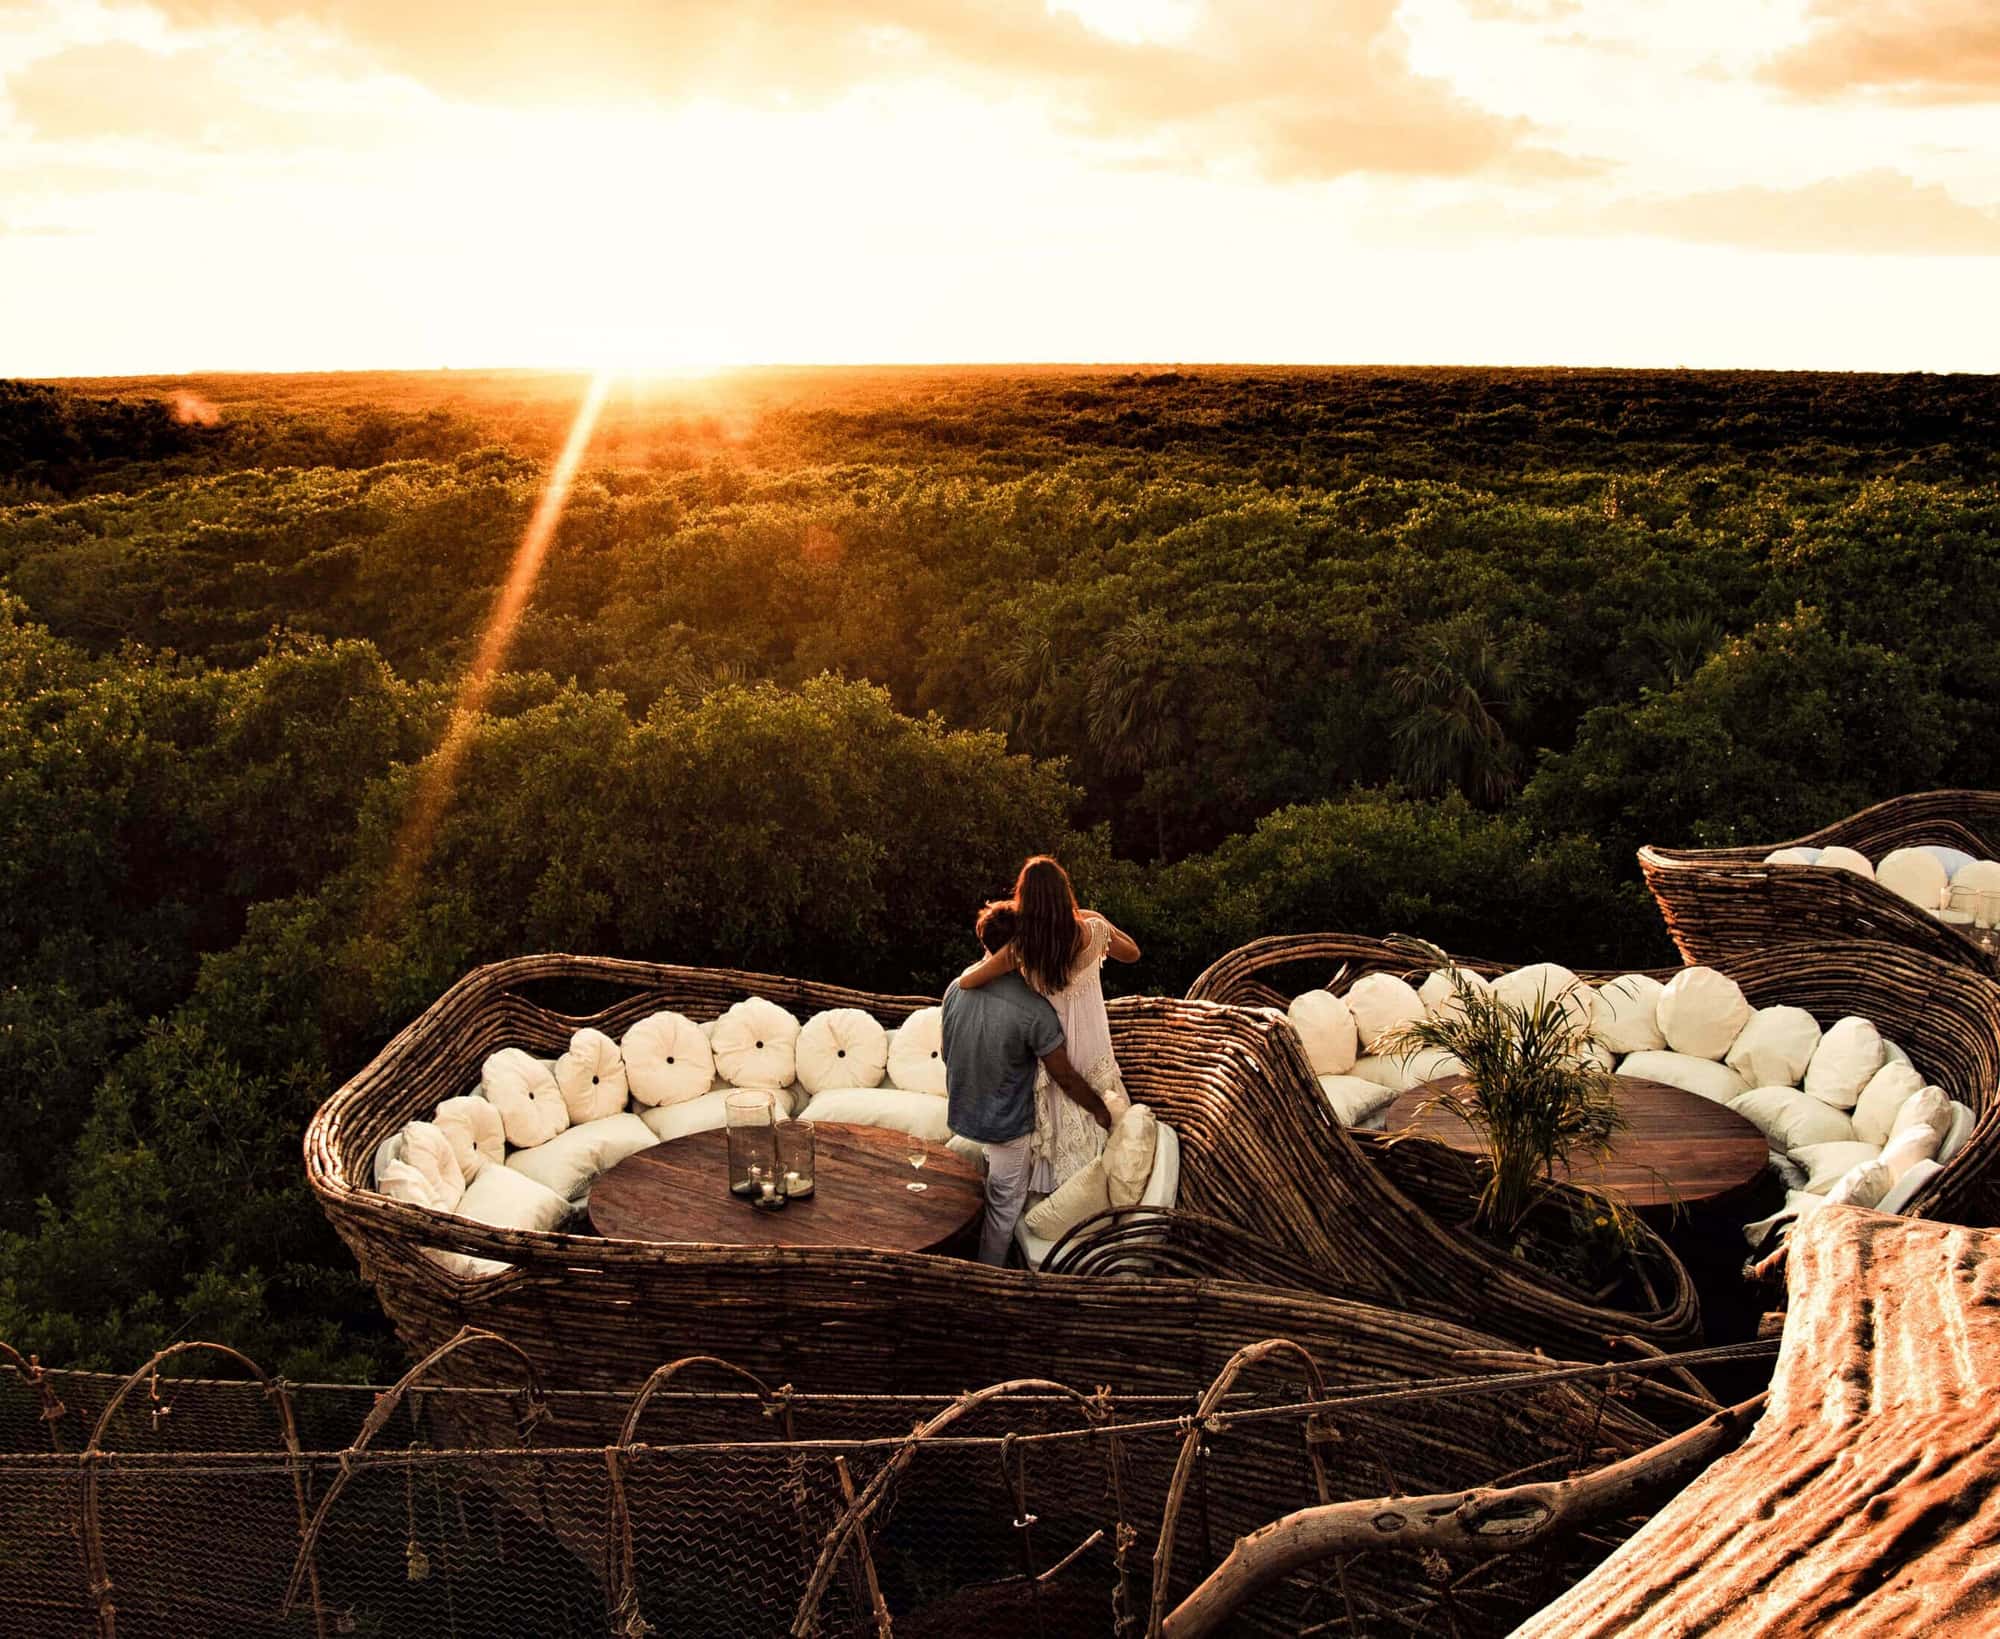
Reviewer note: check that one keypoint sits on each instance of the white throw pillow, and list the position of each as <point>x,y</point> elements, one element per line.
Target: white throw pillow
<point>1542,982</point>
<point>1625,1015</point>
<point>1962,1123</point>
<point>1430,1064</point>
<point>1327,1030</point>
<point>1982,876</point>
<point>402,1182</point>
<point>1860,1186</point>
<point>1702,1012</point>
<point>842,1047</point>
<point>1888,1090</point>
<point>1824,1163</point>
<point>1790,1120</point>
<point>1775,1047</point>
<point>1892,1054</point>
<point>569,1161</point>
<point>1381,1004</point>
<point>1907,1188</point>
<point>1908,1147</point>
<point>523,1089</point>
<point>1845,1062</point>
<point>1128,1155</point>
<point>920,1114</point>
<point>1354,1100</point>
<point>1792,856</point>
<point>391,1149</point>
<point>1845,859</point>
<point>1916,874</point>
<point>756,1044</point>
<point>667,1060</point>
<point>592,1076</point>
<point>430,1151</point>
<point>1084,1193</point>
<point>507,1199</point>
<point>916,1056</point>
<point>1926,1107</point>
<point>1440,995</point>
<point>475,1131</point>
<point>1683,1070</point>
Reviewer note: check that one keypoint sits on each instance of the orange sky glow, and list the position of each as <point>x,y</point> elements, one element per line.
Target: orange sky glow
<point>331,184</point>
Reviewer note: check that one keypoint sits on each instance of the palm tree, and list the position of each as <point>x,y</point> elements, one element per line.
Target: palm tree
<point>1681,644</point>
<point>1131,712</point>
<point>1453,690</point>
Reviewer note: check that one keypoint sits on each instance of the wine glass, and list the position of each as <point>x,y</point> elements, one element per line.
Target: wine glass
<point>917,1160</point>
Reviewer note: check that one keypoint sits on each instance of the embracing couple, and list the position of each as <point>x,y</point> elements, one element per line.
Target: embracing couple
<point>1027,1045</point>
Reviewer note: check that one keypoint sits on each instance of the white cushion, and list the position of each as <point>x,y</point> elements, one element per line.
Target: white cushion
<point>1888,1090</point>
<point>1128,1154</point>
<point>1084,1192</point>
<point>1845,1062</point>
<point>1962,1123</point>
<point>1824,1163</point>
<point>570,1160</point>
<point>391,1149</point>
<point>842,1047</point>
<point>1355,1100</point>
<point>1792,856</point>
<point>1908,1147</point>
<point>893,1107</point>
<point>507,1199</point>
<point>1430,1064</point>
<point>523,1089</point>
<point>1953,860</point>
<point>1892,1054</point>
<point>1327,1029</point>
<point>1845,859</point>
<point>1162,1190</point>
<point>1440,995</point>
<point>1797,1204</point>
<point>402,1182</point>
<point>1775,1047</point>
<point>474,1128</point>
<point>667,1060</point>
<point>756,1044</point>
<point>1685,1071</point>
<point>1383,1070</point>
<point>968,1149</point>
<point>1926,1107</point>
<point>1790,1119</point>
<point>1625,1014</point>
<point>708,1113</point>
<point>1982,876</point>
<point>592,1076</point>
<point>1541,982</point>
<point>1906,1188</point>
<point>1381,1005</point>
<point>430,1151</point>
<point>1916,874</point>
<point>1702,1012</point>
<point>1863,1185</point>
<point>916,1056</point>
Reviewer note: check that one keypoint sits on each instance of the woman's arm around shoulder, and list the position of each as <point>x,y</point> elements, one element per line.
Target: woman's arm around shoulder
<point>988,968</point>
<point>1121,946</point>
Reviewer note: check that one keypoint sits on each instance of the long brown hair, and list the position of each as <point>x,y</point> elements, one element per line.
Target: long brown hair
<point>1046,938</point>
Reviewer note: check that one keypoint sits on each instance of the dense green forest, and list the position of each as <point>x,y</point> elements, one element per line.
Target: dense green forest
<point>816,657</point>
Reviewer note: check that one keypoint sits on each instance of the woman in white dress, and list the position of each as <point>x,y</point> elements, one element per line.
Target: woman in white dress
<point>1059,951</point>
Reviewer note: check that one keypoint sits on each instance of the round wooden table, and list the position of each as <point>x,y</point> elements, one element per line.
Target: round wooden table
<point>1678,1147</point>
<point>679,1191</point>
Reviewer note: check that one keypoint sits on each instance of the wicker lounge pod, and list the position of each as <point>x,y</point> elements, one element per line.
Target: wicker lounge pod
<point>1946,1016</point>
<point>1719,901</point>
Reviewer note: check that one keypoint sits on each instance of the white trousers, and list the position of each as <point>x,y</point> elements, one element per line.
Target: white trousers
<point>1007,1169</point>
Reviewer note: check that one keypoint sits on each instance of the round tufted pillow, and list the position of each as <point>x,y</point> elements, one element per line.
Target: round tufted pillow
<point>1914,873</point>
<point>1702,1012</point>
<point>842,1047</point>
<point>1982,876</point>
<point>1440,995</point>
<point>1625,1014</point>
<point>402,1182</point>
<point>756,1044</point>
<point>1845,1062</point>
<point>1790,1120</point>
<point>1846,859</point>
<point>916,1056</point>
<point>1128,1155</point>
<point>1792,856</point>
<point>1326,1026</point>
<point>1775,1047</point>
<point>592,1077</point>
<point>474,1128</point>
<point>1908,1147</point>
<point>1543,982</point>
<point>523,1089</point>
<point>1888,1090</point>
<point>431,1153</point>
<point>667,1060</point>
<point>1381,1004</point>
<point>1927,1107</point>
<point>1863,1185</point>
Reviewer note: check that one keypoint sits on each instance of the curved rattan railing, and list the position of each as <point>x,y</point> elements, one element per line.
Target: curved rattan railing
<point>1259,1151</point>
<point>1719,901</point>
<point>1942,1013</point>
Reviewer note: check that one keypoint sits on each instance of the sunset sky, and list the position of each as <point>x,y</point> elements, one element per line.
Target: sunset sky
<point>306,184</point>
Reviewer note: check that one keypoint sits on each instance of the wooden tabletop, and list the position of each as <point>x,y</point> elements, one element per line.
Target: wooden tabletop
<point>679,1191</point>
<point>1678,1146</point>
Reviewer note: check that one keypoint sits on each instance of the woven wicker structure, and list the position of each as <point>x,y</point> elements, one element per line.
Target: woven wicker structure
<point>1946,1016</point>
<point>1719,902</point>
<point>1259,1152</point>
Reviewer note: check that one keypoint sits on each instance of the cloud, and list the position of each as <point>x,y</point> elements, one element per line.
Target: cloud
<point>1944,51</point>
<point>1290,88</point>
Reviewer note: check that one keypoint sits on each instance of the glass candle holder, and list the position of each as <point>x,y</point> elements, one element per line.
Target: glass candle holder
<point>797,1149</point>
<point>753,1143</point>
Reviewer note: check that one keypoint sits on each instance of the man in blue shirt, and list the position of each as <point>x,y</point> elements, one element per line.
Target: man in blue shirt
<point>993,1038</point>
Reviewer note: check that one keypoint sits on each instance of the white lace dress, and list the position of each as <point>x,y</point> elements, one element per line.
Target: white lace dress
<point>1067,1138</point>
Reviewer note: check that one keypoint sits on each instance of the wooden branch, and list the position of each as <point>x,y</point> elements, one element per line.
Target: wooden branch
<point>1480,1521</point>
